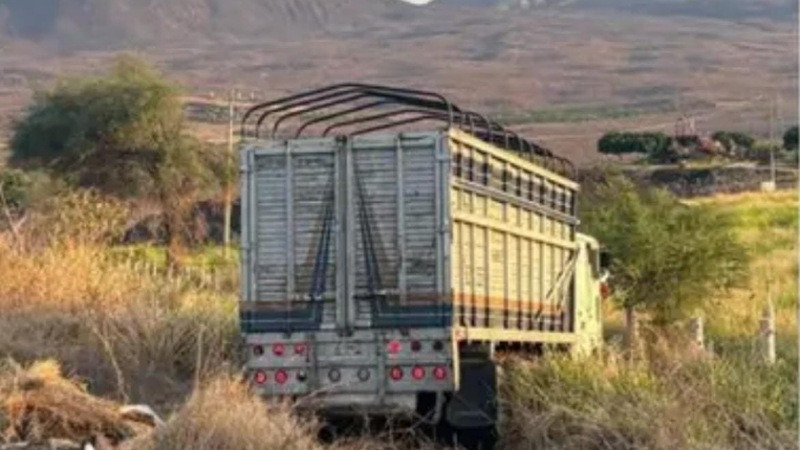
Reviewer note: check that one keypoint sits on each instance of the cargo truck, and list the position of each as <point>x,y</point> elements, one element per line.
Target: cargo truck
<point>392,243</point>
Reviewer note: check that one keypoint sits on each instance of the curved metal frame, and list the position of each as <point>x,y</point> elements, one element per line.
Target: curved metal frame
<point>421,105</point>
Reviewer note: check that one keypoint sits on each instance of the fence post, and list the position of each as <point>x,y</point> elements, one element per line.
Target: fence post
<point>697,328</point>
<point>767,333</point>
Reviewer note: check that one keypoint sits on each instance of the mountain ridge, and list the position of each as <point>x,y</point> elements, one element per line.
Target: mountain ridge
<point>81,24</point>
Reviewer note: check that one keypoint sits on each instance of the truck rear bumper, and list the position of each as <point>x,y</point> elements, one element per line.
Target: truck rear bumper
<point>375,371</point>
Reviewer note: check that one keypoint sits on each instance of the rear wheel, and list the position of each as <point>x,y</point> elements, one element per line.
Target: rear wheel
<point>482,438</point>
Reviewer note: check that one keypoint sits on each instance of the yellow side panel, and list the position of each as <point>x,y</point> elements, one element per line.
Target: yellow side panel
<point>524,277</point>
<point>481,250</point>
<point>497,273</point>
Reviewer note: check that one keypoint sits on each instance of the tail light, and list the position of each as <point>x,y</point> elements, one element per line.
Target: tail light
<point>416,346</point>
<point>605,290</point>
<point>363,374</point>
<point>260,377</point>
<point>278,349</point>
<point>258,350</point>
<point>281,377</point>
<point>299,349</point>
<point>396,373</point>
<point>438,345</point>
<point>334,375</point>
<point>440,373</point>
<point>302,376</point>
<point>393,347</point>
<point>418,372</point>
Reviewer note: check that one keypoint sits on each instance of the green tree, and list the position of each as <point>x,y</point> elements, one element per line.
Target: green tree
<point>790,139</point>
<point>666,258</point>
<point>122,134</point>
<point>116,133</point>
<point>648,143</point>
<point>734,141</point>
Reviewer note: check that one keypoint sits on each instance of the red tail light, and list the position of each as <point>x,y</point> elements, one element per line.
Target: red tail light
<point>418,372</point>
<point>260,377</point>
<point>299,349</point>
<point>258,350</point>
<point>440,373</point>
<point>416,346</point>
<point>278,349</point>
<point>281,377</point>
<point>605,290</point>
<point>393,347</point>
<point>396,374</point>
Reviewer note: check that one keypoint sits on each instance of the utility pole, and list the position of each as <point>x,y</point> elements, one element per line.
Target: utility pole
<point>772,108</point>
<point>228,189</point>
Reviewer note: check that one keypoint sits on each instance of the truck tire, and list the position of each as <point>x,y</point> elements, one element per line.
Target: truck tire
<point>482,438</point>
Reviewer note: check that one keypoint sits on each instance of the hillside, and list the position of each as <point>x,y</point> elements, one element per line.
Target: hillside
<point>561,72</point>
<point>102,23</point>
<point>108,23</point>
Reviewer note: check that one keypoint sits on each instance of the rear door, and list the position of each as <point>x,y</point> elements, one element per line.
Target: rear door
<point>344,234</point>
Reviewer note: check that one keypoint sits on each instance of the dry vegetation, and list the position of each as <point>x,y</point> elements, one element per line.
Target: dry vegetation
<point>675,395</point>
<point>125,329</point>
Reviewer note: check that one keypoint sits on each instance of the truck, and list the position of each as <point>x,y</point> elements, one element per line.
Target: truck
<point>393,243</point>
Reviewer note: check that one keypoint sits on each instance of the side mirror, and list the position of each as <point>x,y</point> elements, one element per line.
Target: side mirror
<point>605,260</point>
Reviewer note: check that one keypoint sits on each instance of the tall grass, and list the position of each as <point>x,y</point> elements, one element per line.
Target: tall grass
<point>605,402</point>
<point>224,414</point>
<point>678,396</point>
<point>132,330</point>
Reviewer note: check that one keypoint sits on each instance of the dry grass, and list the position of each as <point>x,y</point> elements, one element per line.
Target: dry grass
<point>666,402</point>
<point>138,334</point>
<point>767,223</point>
<point>677,397</point>
<point>37,403</point>
<point>132,331</point>
<point>224,414</point>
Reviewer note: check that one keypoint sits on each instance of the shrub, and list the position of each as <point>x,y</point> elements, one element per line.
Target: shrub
<point>667,258</point>
<point>648,143</point>
<point>734,141</point>
<point>224,414</point>
<point>763,151</point>
<point>136,331</point>
<point>674,400</point>
<point>790,139</point>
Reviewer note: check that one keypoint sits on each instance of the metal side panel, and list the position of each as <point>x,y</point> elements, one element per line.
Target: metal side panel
<point>514,245</point>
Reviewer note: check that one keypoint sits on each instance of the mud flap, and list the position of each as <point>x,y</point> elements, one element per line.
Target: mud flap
<point>475,403</point>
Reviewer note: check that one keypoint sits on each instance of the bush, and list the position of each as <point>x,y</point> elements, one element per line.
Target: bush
<point>648,143</point>
<point>224,414</point>
<point>136,331</point>
<point>667,258</point>
<point>790,139</point>
<point>122,133</point>
<point>674,400</point>
<point>734,141</point>
<point>763,151</point>
<point>14,187</point>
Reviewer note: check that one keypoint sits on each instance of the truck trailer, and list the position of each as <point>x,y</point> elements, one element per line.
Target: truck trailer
<point>393,242</point>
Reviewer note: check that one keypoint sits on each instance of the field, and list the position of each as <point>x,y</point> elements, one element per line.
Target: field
<point>134,332</point>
